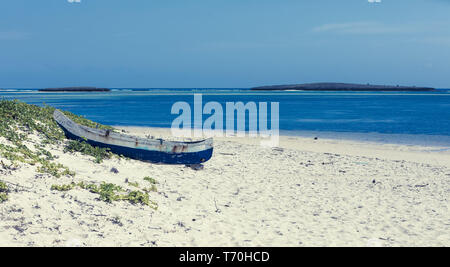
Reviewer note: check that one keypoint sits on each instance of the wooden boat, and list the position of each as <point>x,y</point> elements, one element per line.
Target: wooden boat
<point>150,150</point>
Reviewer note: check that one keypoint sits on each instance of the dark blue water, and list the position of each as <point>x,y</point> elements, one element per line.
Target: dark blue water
<point>398,113</point>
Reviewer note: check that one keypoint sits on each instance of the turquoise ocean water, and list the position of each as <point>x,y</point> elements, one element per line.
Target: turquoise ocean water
<point>395,117</point>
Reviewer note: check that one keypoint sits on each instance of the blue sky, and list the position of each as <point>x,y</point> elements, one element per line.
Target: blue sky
<point>223,43</point>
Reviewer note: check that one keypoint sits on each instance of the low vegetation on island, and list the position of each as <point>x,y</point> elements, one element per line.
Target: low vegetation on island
<point>75,89</point>
<point>341,87</point>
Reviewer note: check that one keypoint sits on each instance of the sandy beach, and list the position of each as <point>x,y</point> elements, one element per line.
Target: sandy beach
<point>305,192</point>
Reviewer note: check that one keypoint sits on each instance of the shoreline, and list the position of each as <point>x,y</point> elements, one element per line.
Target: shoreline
<point>425,140</point>
<point>304,192</point>
<point>429,154</point>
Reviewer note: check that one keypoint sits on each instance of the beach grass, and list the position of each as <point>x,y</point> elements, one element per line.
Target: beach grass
<point>150,180</point>
<point>84,148</point>
<point>3,192</point>
<point>18,121</point>
<point>109,192</point>
<point>21,123</point>
<point>153,183</point>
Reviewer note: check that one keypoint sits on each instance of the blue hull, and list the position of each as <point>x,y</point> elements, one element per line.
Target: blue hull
<point>148,155</point>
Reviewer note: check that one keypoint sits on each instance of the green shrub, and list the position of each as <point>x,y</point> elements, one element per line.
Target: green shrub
<point>109,192</point>
<point>136,197</point>
<point>136,184</point>
<point>3,192</point>
<point>55,169</point>
<point>84,148</point>
<point>63,188</point>
<point>3,197</point>
<point>18,120</point>
<point>150,180</point>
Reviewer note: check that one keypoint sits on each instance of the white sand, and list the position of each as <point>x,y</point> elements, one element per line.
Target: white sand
<point>305,193</point>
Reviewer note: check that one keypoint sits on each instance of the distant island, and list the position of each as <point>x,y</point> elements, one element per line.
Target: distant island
<point>75,89</point>
<point>340,87</point>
